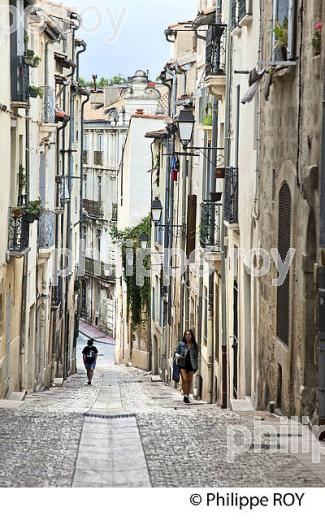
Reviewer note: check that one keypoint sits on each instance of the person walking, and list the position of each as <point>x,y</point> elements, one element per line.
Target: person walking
<point>90,354</point>
<point>187,360</point>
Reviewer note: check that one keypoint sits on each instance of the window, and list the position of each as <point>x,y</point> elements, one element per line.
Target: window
<point>284,240</point>
<point>99,188</point>
<point>205,316</point>
<point>284,17</point>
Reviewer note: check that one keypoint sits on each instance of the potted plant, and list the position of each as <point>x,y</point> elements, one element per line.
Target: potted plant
<point>317,38</point>
<point>220,173</point>
<point>32,211</point>
<point>35,91</point>
<point>281,36</point>
<point>216,196</point>
<point>29,57</point>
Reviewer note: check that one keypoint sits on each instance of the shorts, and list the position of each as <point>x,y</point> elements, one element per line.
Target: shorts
<point>91,366</point>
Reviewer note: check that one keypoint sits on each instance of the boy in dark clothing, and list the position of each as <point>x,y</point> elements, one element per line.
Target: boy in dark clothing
<point>90,354</point>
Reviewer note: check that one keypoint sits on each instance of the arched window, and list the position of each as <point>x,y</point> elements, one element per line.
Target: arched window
<point>284,234</point>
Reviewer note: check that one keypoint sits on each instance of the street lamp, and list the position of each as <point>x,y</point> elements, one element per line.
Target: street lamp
<point>156,210</point>
<point>185,124</point>
<point>144,239</point>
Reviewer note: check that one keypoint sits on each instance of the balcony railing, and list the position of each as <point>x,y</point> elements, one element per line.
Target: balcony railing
<point>98,158</point>
<point>99,269</point>
<point>46,227</point>
<point>231,195</point>
<point>216,50</point>
<point>49,105</point>
<point>19,79</point>
<point>210,234</point>
<point>18,232</point>
<point>94,208</point>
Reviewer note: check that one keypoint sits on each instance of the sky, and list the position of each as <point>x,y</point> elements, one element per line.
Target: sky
<point>126,35</point>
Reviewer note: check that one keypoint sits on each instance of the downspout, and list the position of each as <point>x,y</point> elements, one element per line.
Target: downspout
<point>212,185</point>
<point>321,277</point>
<point>224,404</point>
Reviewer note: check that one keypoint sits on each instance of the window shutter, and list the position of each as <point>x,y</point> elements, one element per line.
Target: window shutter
<point>191,224</point>
<point>284,235</point>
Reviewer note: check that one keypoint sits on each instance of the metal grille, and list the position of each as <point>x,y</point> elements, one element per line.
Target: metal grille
<point>211,225</point>
<point>231,195</point>
<point>19,79</point>
<point>93,207</point>
<point>18,232</point>
<point>283,293</point>
<point>216,50</point>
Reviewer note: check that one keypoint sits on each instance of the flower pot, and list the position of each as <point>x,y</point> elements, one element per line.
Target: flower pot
<point>29,61</point>
<point>17,212</point>
<point>220,173</point>
<point>33,93</point>
<point>30,218</point>
<point>216,197</point>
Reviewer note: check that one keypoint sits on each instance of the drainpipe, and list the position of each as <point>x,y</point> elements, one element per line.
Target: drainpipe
<point>321,277</point>
<point>224,229</point>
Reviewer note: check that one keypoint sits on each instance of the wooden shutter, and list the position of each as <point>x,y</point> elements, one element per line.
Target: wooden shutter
<point>191,224</point>
<point>284,238</point>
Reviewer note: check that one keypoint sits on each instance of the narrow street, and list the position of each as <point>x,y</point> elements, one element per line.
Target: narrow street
<point>127,431</point>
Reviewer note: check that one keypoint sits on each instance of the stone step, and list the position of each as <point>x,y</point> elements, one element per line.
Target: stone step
<point>241,405</point>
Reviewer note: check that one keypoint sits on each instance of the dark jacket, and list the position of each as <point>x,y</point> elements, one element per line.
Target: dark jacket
<point>182,349</point>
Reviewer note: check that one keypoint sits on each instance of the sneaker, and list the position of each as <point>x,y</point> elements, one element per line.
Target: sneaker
<point>89,382</point>
<point>186,400</point>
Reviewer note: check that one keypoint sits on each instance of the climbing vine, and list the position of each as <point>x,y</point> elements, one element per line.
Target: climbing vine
<point>138,297</point>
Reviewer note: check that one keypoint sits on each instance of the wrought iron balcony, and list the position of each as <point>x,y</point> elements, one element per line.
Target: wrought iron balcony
<point>49,105</point>
<point>216,50</point>
<point>46,227</point>
<point>18,232</point>
<point>93,208</point>
<point>19,79</point>
<point>210,234</point>
<point>231,195</point>
<point>99,269</point>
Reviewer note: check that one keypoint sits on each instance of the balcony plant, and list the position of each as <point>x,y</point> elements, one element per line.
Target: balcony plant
<point>317,38</point>
<point>35,91</point>
<point>32,211</point>
<point>21,180</point>
<point>16,212</point>
<point>281,38</point>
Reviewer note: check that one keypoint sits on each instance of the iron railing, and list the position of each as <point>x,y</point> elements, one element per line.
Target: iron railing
<point>18,232</point>
<point>19,79</point>
<point>49,105</point>
<point>99,269</point>
<point>216,50</point>
<point>46,227</point>
<point>231,195</point>
<point>93,208</point>
<point>210,232</point>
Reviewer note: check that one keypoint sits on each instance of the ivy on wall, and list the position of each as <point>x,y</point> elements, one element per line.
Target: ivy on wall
<point>138,297</point>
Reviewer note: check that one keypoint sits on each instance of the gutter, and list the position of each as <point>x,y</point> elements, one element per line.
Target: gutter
<point>321,277</point>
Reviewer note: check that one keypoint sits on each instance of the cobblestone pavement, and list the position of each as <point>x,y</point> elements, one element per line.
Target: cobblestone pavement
<point>184,446</point>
